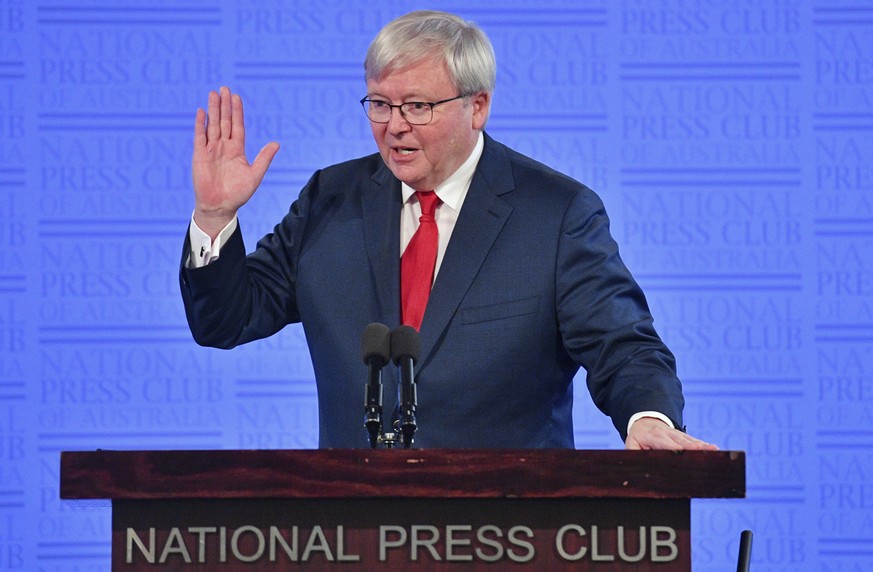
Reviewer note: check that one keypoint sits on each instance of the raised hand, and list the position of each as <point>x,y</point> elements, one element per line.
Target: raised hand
<point>224,180</point>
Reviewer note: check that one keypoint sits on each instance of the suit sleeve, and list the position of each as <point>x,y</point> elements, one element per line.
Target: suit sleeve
<point>605,321</point>
<point>239,298</point>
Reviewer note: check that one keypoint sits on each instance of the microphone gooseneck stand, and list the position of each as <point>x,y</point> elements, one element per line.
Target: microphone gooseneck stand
<point>402,346</point>
<point>405,346</point>
<point>376,352</point>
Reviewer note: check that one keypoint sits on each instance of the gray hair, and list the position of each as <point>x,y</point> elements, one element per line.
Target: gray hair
<point>465,48</point>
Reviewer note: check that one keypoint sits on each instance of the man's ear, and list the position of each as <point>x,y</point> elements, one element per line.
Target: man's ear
<point>481,103</point>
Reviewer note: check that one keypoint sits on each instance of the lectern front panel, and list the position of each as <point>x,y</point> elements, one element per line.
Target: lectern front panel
<point>401,534</point>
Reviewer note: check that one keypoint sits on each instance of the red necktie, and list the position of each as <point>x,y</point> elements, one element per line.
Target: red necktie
<point>418,262</point>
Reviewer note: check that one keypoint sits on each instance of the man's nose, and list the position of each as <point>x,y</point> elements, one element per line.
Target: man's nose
<point>398,123</point>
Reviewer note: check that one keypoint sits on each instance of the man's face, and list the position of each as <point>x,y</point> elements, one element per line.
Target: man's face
<point>423,156</point>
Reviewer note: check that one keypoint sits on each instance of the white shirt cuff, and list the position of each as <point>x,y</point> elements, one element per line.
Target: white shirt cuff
<point>203,249</point>
<point>654,414</point>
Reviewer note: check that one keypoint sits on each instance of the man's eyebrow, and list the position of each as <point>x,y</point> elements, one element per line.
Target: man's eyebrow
<point>417,98</point>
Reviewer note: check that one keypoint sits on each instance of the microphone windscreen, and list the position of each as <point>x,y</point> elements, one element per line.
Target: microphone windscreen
<point>405,343</point>
<point>376,344</point>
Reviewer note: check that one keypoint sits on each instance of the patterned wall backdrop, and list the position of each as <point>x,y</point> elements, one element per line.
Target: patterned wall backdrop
<point>730,139</point>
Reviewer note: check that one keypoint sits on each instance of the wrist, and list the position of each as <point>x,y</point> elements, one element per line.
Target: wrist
<point>212,222</point>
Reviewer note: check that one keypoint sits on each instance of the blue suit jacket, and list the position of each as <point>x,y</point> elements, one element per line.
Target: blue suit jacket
<point>531,287</point>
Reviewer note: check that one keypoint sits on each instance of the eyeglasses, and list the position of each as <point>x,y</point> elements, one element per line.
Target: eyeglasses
<point>414,112</point>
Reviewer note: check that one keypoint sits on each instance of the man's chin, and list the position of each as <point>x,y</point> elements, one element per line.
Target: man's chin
<point>407,175</point>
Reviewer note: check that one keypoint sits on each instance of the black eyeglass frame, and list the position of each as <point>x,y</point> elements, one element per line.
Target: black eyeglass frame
<point>365,100</point>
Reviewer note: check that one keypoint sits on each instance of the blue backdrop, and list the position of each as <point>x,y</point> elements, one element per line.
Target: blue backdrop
<point>730,140</point>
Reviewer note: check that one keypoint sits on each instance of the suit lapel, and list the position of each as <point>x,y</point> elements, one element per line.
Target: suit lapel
<point>481,219</point>
<point>380,205</point>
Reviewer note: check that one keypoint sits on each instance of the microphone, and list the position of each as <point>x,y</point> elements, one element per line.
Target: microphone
<point>405,347</point>
<point>376,352</point>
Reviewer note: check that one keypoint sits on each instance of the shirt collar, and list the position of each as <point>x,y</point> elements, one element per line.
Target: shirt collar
<point>454,189</point>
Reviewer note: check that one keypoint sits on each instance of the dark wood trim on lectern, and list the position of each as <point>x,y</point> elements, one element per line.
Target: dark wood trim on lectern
<point>434,473</point>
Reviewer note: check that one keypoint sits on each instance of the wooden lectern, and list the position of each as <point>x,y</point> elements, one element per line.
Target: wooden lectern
<point>402,509</point>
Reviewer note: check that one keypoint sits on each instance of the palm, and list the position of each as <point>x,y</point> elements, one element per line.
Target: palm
<point>223,177</point>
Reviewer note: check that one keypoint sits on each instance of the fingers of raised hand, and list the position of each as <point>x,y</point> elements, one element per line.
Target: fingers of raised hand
<point>237,124</point>
<point>213,115</point>
<point>226,113</point>
<point>200,129</point>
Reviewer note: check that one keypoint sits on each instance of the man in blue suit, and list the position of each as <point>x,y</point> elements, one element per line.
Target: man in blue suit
<point>527,283</point>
